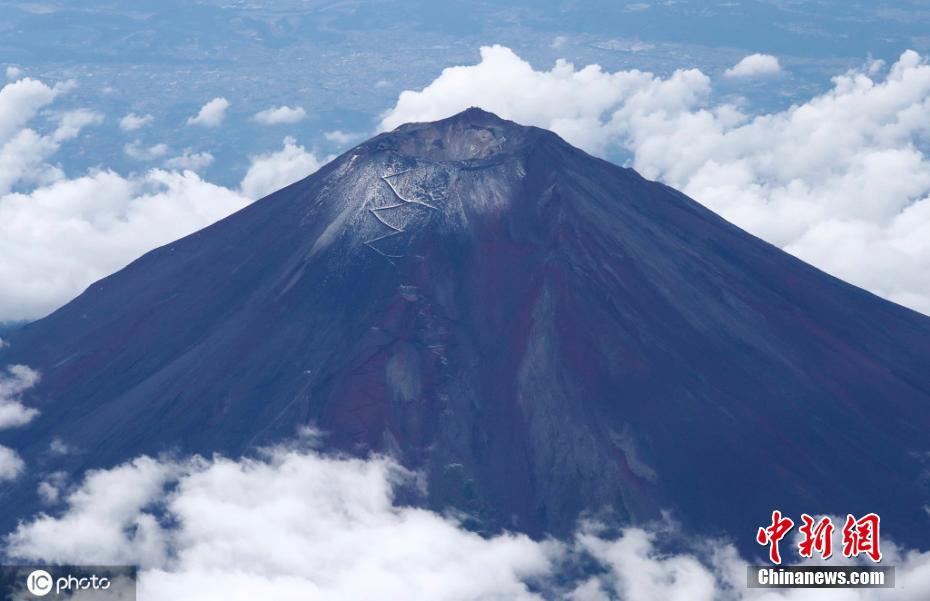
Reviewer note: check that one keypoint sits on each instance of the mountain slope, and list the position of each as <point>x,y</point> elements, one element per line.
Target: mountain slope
<point>543,333</point>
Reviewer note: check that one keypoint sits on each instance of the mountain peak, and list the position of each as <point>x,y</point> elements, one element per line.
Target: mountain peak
<point>468,135</point>
<point>473,115</point>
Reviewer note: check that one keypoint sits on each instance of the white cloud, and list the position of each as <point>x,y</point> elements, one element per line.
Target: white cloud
<point>22,160</point>
<point>100,511</point>
<point>58,447</point>
<point>637,571</point>
<point>272,171</point>
<point>13,73</point>
<point>297,524</point>
<point>280,114</point>
<point>211,114</point>
<point>132,121</point>
<point>195,161</point>
<point>16,380</point>
<point>291,525</point>
<point>13,414</point>
<point>57,239</point>
<point>51,488</point>
<point>23,151</point>
<point>135,150</point>
<point>47,492</point>
<point>558,41</point>
<point>841,180</point>
<point>342,138</point>
<point>11,466</point>
<point>71,123</point>
<point>754,65</point>
<point>636,7</point>
<point>570,101</point>
<point>20,101</point>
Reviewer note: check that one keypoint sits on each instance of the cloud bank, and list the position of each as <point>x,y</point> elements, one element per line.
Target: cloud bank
<point>291,525</point>
<point>59,238</point>
<point>298,524</point>
<point>842,180</point>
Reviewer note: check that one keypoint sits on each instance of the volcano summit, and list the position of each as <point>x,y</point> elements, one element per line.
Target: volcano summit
<point>541,332</point>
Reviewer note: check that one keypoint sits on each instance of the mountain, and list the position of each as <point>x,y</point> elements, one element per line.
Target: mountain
<point>541,332</point>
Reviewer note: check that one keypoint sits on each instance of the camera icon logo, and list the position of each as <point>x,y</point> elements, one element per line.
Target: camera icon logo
<point>39,583</point>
